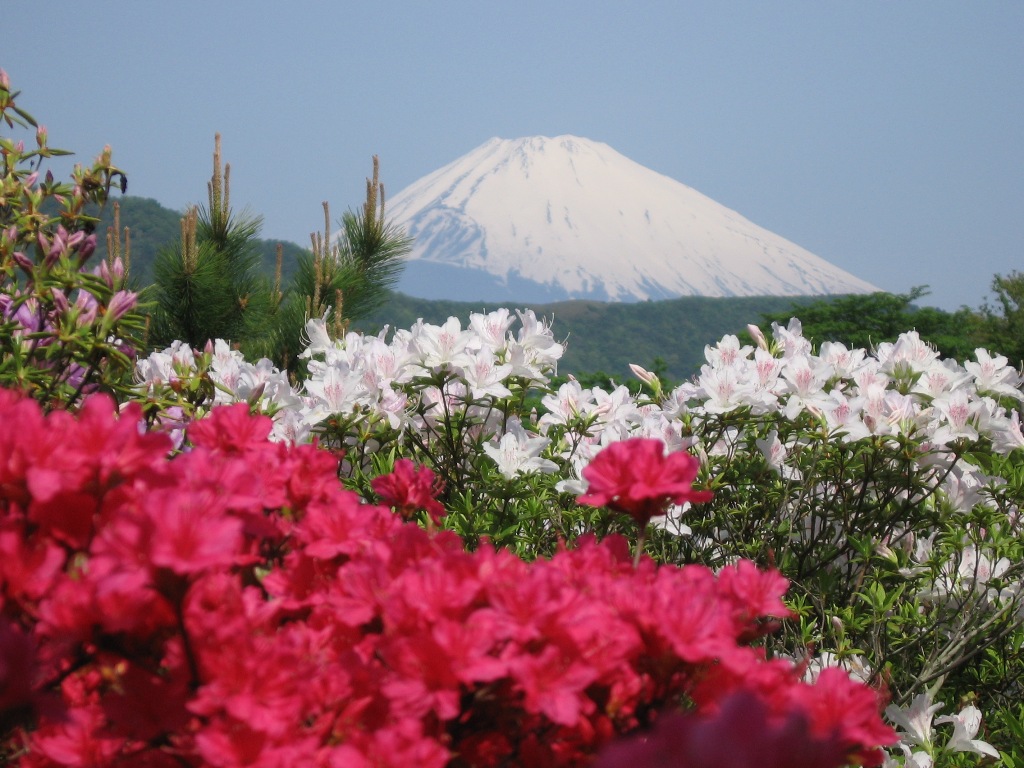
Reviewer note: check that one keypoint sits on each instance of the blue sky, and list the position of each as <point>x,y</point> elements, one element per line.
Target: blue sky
<point>886,137</point>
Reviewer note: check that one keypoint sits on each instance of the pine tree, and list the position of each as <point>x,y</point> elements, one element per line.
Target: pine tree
<point>342,279</point>
<point>209,286</point>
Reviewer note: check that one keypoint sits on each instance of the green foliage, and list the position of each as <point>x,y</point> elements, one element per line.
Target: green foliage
<point>1003,325</point>
<point>344,279</point>
<point>213,284</point>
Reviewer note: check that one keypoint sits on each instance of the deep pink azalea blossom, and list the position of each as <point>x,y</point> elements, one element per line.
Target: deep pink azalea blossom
<point>409,489</point>
<point>636,477</point>
<point>236,605</point>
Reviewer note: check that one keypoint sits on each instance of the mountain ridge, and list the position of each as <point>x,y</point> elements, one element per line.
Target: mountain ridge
<point>548,219</point>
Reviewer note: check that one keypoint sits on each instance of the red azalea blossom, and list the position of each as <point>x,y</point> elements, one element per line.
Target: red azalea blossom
<point>235,605</point>
<point>636,477</point>
<point>408,490</point>
<point>231,428</point>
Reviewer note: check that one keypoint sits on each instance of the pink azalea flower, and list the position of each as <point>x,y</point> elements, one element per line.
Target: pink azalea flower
<point>636,477</point>
<point>409,489</point>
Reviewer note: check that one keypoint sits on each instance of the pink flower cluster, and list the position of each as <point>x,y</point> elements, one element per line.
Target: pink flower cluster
<point>235,606</point>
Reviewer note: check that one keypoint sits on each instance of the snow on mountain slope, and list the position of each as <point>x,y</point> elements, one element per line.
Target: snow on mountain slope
<point>553,218</point>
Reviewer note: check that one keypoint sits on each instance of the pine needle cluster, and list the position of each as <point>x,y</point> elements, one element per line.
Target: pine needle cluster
<point>210,284</point>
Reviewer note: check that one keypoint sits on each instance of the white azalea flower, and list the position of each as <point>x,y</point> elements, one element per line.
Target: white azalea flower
<point>909,352</point>
<point>993,374</point>
<point>804,379</point>
<point>957,412</point>
<point>842,415</point>
<point>672,520</point>
<point>791,338</point>
<point>491,329</point>
<point>536,335</point>
<point>724,389</point>
<point>978,568</point>
<point>566,405</point>
<point>775,454</point>
<point>441,345</point>
<point>940,378</point>
<point>616,411</point>
<point>855,665</point>
<point>765,371</point>
<point>1007,434</point>
<point>845,362</point>
<point>518,452</point>
<point>317,336</point>
<point>910,760</point>
<point>677,402</point>
<point>337,390</point>
<point>727,352</point>
<point>171,364</point>
<point>485,375</point>
<point>963,484</point>
<point>965,727</point>
<point>915,721</point>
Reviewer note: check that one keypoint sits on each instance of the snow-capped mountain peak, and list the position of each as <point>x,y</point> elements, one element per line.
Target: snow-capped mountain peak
<point>543,219</point>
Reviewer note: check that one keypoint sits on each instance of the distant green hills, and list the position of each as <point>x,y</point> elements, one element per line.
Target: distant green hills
<point>154,227</point>
<point>599,337</point>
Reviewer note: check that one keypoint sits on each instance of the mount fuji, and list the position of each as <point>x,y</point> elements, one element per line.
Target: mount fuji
<point>546,219</point>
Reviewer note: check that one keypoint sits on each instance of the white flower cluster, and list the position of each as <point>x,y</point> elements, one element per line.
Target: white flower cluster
<point>917,737</point>
<point>455,370</point>
<point>902,389</point>
<point>446,367</point>
<point>235,380</point>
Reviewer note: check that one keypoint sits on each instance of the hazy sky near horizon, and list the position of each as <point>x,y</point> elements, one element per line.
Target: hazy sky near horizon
<point>885,137</point>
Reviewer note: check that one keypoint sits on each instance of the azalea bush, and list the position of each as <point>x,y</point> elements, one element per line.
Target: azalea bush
<point>235,606</point>
<point>885,484</point>
<point>67,320</point>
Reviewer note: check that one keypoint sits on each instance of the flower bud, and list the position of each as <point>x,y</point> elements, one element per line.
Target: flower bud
<point>256,394</point>
<point>60,300</point>
<point>86,248</point>
<point>121,303</point>
<point>58,245</point>
<point>112,274</point>
<point>41,135</point>
<point>758,336</point>
<point>643,374</point>
<point>87,305</point>
<point>5,81</point>
<point>23,261</point>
